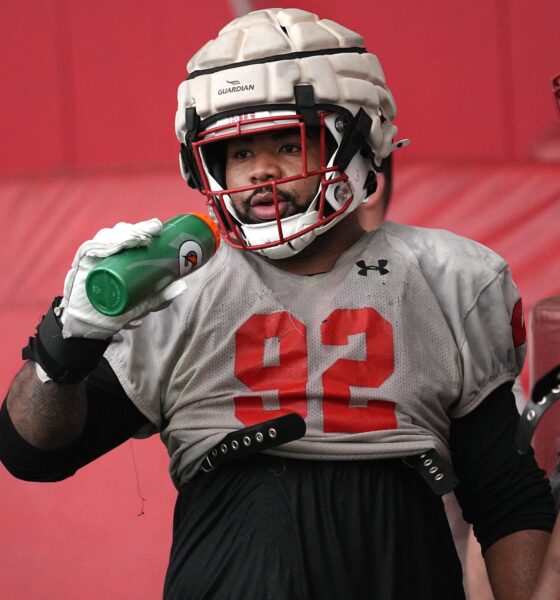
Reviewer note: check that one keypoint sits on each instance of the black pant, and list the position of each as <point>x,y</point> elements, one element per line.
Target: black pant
<point>267,528</point>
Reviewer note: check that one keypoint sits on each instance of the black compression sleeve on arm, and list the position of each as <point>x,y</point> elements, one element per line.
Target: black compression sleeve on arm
<point>500,491</point>
<point>111,420</point>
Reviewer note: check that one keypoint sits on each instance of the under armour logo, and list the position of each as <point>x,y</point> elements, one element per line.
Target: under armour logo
<point>363,268</point>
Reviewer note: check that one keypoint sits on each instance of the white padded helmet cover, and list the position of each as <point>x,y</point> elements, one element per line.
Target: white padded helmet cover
<point>352,80</point>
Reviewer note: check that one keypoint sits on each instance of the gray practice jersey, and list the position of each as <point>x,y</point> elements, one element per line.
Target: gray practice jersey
<point>411,327</point>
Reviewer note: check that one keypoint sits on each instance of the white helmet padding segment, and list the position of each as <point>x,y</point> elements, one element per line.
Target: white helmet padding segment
<point>258,59</point>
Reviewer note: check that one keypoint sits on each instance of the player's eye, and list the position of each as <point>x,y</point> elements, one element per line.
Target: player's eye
<point>290,148</point>
<point>240,153</point>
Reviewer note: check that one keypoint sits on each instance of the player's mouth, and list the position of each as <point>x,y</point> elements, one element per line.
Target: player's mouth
<point>260,205</point>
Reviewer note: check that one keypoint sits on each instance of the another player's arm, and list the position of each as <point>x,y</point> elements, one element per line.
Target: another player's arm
<point>513,564</point>
<point>503,493</point>
<point>46,415</point>
<point>548,583</point>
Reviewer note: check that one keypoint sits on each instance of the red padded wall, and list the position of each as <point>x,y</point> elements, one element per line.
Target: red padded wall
<point>93,84</point>
<point>30,104</point>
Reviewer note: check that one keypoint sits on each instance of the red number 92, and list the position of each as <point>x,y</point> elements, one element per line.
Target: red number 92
<point>289,373</point>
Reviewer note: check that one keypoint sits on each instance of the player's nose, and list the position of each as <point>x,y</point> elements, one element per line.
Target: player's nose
<point>265,167</point>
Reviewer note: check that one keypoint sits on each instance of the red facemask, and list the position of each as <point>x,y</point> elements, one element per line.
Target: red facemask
<point>209,149</point>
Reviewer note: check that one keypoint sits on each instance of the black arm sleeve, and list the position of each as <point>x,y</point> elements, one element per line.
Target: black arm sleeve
<point>111,420</point>
<point>500,491</point>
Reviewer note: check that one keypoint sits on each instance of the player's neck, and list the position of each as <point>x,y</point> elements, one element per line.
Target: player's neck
<point>321,255</point>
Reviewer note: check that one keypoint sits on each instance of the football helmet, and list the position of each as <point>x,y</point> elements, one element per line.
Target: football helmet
<point>281,69</point>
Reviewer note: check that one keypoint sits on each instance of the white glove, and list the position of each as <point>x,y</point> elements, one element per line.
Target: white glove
<point>78,316</point>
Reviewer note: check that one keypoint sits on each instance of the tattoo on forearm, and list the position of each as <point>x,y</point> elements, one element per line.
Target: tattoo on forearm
<point>47,415</point>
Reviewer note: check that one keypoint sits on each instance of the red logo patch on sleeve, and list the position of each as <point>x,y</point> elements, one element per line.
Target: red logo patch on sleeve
<point>518,331</point>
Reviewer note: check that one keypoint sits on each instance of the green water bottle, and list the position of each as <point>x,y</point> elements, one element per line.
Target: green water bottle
<point>122,280</point>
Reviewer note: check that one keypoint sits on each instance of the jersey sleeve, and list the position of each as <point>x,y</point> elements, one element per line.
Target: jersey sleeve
<point>493,342</point>
<point>144,358</point>
<point>138,360</point>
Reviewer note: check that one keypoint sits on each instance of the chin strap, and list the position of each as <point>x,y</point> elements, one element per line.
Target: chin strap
<point>64,360</point>
<point>354,139</point>
<point>188,163</point>
<point>370,186</point>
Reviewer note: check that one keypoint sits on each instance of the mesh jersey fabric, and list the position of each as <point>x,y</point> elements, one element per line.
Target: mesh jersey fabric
<point>411,327</point>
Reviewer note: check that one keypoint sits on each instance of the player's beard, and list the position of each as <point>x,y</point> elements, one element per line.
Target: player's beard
<point>282,196</point>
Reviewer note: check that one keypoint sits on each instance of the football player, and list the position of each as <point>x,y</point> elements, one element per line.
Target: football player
<point>545,393</point>
<point>548,584</point>
<point>318,387</point>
